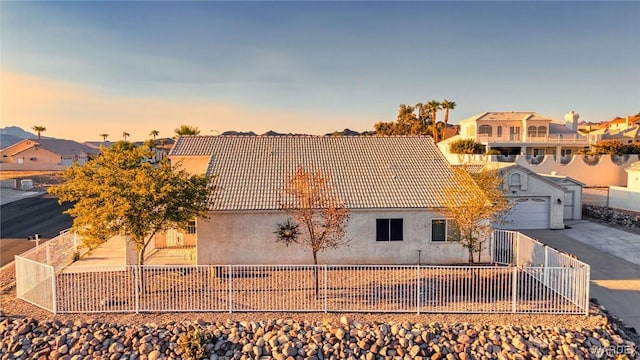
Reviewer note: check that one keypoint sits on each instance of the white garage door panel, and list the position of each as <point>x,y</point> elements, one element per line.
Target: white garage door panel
<point>528,213</point>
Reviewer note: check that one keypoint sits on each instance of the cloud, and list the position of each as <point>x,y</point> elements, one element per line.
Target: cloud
<point>81,113</point>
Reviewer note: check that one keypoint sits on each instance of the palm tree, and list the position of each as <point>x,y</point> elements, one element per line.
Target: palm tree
<point>421,115</point>
<point>187,130</point>
<point>104,137</point>
<point>125,135</point>
<point>154,133</point>
<point>433,107</point>
<point>39,129</point>
<point>447,105</point>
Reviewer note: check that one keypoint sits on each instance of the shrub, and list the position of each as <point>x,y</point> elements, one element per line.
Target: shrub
<point>465,146</point>
<point>493,152</point>
<point>193,343</point>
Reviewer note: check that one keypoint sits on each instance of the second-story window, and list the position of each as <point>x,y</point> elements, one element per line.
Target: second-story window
<point>484,129</point>
<point>499,131</point>
<point>542,131</point>
<point>532,131</point>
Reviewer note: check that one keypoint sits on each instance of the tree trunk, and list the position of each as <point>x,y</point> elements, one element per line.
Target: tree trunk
<point>315,274</point>
<point>141,287</point>
<point>470,255</point>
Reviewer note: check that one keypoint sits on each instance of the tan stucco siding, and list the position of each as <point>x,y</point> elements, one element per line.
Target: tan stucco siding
<point>248,238</point>
<point>192,164</point>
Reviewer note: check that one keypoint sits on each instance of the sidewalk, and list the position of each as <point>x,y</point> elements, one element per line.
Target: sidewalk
<point>10,195</point>
<point>614,256</point>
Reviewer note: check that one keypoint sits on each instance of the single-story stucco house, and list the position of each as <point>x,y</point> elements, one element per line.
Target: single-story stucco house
<point>45,154</point>
<point>392,185</point>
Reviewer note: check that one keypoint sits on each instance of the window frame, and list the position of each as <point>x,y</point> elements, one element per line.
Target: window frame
<point>391,229</point>
<point>449,231</point>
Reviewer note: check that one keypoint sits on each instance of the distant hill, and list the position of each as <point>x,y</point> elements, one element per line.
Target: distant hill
<point>7,140</point>
<point>13,134</point>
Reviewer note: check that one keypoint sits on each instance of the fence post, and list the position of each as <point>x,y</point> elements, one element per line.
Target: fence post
<point>48,253</point>
<point>514,289</point>
<point>138,281</point>
<point>326,294</point>
<point>53,290</point>
<point>516,250</point>
<point>587,284</point>
<point>418,288</point>
<point>229,277</point>
<point>492,246</point>
<point>546,265</point>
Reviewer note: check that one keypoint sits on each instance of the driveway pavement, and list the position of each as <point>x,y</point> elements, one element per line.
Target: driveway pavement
<point>614,256</point>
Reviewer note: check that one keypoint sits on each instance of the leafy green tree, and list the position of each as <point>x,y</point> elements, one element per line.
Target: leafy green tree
<point>614,147</point>
<point>447,105</point>
<point>318,218</point>
<point>39,129</point>
<point>473,202</point>
<point>118,193</point>
<point>187,130</point>
<point>407,122</point>
<point>465,146</point>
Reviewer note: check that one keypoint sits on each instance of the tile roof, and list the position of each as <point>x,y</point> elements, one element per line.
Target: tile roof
<point>62,147</point>
<point>507,115</point>
<point>366,171</point>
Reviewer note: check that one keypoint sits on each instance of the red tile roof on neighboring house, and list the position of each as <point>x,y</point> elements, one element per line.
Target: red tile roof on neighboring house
<point>366,171</point>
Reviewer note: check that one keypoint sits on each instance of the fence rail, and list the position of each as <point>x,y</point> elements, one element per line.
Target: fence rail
<point>527,277</point>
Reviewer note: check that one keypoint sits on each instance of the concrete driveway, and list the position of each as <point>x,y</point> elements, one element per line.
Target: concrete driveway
<point>614,256</point>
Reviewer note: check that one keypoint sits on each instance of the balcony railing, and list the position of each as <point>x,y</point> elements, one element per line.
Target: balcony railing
<point>553,139</point>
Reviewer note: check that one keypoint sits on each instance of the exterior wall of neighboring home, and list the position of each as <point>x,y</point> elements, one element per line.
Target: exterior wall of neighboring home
<point>523,187</point>
<point>27,155</point>
<point>33,158</point>
<point>627,198</point>
<point>194,164</point>
<point>602,171</point>
<point>248,238</point>
<point>593,172</point>
<point>624,198</point>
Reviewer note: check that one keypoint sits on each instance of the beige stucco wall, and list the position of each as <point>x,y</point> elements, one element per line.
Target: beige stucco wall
<point>624,198</point>
<point>540,188</point>
<point>248,238</point>
<point>604,173</point>
<point>192,164</point>
<point>633,179</point>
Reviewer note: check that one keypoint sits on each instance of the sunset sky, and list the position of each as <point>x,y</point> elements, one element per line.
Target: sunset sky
<point>85,68</point>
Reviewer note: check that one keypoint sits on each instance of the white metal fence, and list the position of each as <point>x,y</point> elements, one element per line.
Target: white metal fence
<point>538,280</point>
<point>559,272</point>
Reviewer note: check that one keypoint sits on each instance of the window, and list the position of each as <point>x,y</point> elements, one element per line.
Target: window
<point>532,131</point>
<point>499,131</point>
<point>191,228</point>
<point>542,131</point>
<point>484,129</point>
<point>388,229</point>
<point>514,180</point>
<point>444,230</point>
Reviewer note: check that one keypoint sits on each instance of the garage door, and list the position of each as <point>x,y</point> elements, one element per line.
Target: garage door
<point>527,213</point>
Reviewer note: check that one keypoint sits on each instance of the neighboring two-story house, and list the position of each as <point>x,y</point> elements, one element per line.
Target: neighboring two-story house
<point>520,133</point>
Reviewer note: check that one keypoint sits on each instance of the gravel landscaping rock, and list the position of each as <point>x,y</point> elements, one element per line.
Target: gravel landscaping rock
<point>295,339</point>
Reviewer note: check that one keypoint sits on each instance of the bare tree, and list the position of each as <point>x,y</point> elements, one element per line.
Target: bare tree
<point>318,217</point>
<point>473,202</point>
